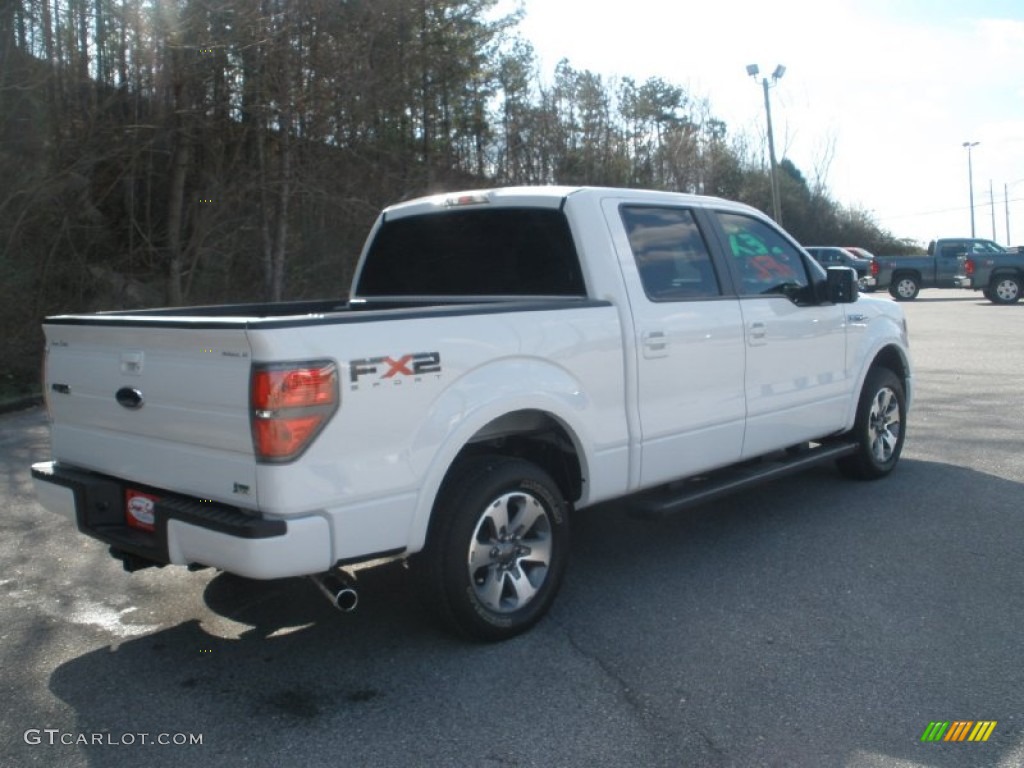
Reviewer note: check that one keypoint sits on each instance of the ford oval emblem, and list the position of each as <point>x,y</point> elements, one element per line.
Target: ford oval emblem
<point>129,398</point>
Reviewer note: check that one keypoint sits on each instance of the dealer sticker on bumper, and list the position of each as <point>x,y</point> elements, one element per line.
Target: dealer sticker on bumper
<point>140,509</point>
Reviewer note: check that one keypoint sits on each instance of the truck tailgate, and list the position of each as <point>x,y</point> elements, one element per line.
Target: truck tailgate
<point>159,404</point>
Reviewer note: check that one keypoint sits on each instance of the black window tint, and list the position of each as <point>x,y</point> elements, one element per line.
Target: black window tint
<point>766,262</point>
<point>474,252</point>
<point>670,253</point>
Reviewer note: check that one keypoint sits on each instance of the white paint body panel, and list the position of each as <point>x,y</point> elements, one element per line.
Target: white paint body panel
<point>367,483</point>
<point>305,549</point>
<point>796,384</point>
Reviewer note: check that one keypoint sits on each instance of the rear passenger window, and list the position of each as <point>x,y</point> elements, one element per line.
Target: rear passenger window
<point>671,255</point>
<point>765,261</point>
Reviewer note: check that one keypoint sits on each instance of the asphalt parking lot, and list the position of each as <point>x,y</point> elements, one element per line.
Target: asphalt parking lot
<point>812,622</point>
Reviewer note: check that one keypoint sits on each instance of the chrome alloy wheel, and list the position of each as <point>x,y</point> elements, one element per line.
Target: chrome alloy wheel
<point>884,424</point>
<point>510,552</point>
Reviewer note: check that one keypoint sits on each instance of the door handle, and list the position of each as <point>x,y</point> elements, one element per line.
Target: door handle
<point>757,333</point>
<point>655,344</point>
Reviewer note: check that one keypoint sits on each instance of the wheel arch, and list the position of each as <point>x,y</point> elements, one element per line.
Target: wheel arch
<point>536,436</point>
<point>1003,272</point>
<point>906,272</point>
<point>543,429</point>
<point>1006,272</point>
<point>892,357</point>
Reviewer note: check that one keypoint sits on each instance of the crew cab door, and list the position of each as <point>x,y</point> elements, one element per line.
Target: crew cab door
<point>795,382</point>
<point>688,342</point>
<point>949,260</point>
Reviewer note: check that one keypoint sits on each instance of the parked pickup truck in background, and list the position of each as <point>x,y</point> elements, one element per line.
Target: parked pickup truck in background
<point>996,271</point>
<point>506,359</point>
<point>943,267</point>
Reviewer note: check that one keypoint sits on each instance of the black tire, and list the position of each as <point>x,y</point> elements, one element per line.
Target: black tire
<point>1004,289</point>
<point>879,429</point>
<point>987,293</point>
<point>904,288</point>
<point>518,570</point>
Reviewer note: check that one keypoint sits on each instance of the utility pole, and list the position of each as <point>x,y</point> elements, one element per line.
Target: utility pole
<point>970,178</point>
<point>1006,202</point>
<point>992,199</point>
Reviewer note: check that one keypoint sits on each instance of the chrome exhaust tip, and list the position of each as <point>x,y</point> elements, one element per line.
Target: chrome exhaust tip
<point>338,589</point>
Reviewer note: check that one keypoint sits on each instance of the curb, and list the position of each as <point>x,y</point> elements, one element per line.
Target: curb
<point>20,403</point>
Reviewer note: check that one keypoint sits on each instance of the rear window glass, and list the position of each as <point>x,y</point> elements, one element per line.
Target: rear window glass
<point>485,252</point>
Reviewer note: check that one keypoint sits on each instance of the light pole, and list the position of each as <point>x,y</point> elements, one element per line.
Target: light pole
<point>753,70</point>
<point>970,177</point>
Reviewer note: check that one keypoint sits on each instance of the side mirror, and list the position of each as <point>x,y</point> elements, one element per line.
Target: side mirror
<point>841,285</point>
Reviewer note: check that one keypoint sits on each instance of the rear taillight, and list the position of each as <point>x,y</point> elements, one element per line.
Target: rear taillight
<point>875,269</point>
<point>969,267</point>
<point>291,403</point>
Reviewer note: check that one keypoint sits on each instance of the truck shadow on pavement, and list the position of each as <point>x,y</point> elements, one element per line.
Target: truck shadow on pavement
<point>811,600</point>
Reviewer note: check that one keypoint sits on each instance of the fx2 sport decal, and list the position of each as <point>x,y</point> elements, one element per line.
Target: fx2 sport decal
<point>384,370</point>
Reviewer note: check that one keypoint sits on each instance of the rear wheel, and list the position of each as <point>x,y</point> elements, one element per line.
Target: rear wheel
<point>879,428</point>
<point>904,288</point>
<point>1004,290</point>
<point>498,547</point>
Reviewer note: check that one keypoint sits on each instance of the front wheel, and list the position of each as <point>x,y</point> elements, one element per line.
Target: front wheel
<point>498,547</point>
<point>1004,290</point>
<point>904,288</point>
<point>879,427</point>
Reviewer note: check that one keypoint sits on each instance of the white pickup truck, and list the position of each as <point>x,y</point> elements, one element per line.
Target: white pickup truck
<point>506,358</point>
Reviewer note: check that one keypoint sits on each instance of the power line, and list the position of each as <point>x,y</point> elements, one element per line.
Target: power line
<point>941,210</point>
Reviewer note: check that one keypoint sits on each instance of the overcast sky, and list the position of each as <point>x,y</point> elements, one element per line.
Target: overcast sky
<point>894,87</point>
